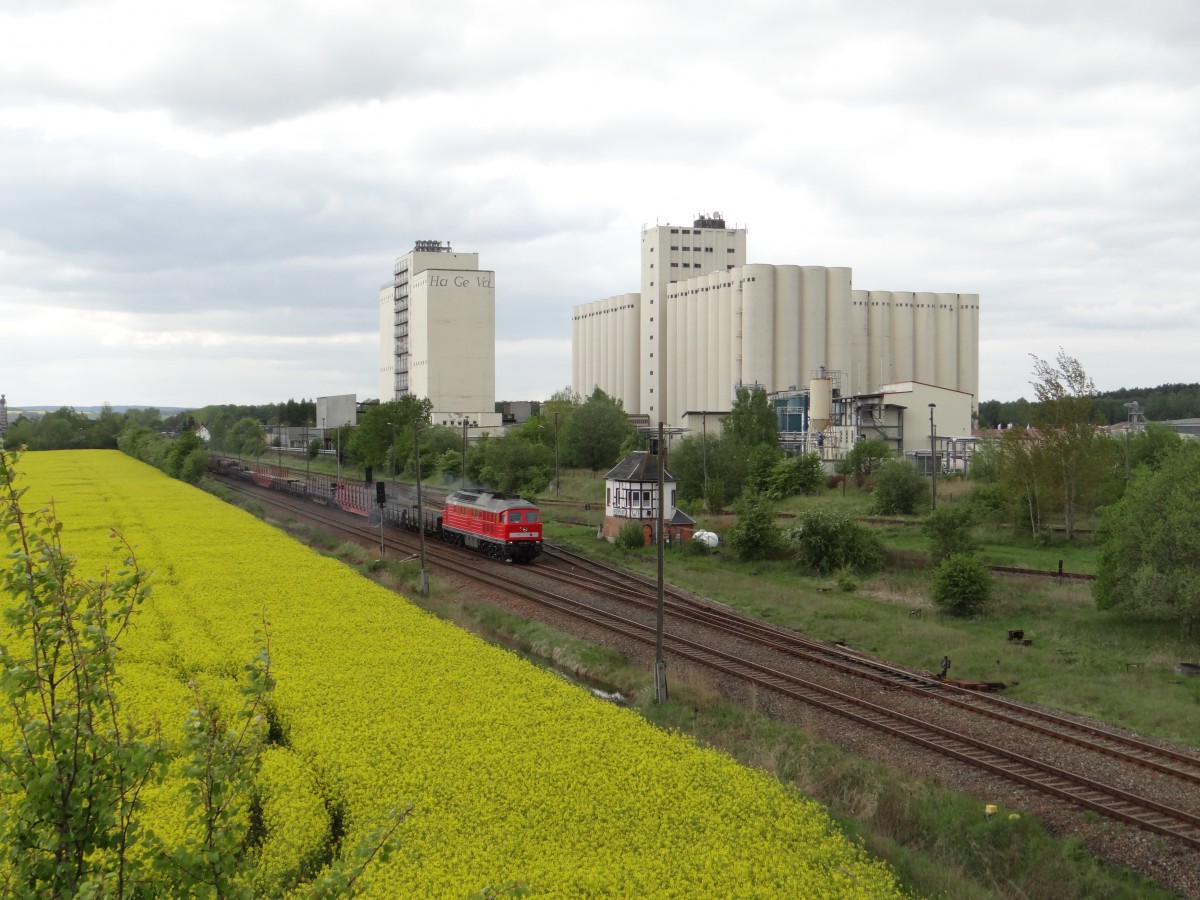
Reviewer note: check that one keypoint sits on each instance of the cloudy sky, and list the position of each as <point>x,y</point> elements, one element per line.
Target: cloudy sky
<point>199,202</point>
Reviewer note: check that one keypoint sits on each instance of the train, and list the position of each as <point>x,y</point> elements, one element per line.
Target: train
<point>499,525</point>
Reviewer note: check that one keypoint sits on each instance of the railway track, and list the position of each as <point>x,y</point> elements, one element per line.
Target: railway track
<point>714,637</point>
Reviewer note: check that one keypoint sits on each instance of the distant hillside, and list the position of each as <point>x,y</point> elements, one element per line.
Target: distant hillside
<point>1167,401</point>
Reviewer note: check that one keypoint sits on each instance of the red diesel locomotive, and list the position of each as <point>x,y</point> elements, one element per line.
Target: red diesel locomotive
<point>501,525</point>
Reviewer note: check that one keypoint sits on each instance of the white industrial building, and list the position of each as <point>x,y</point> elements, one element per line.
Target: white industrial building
<point>437,335</point>
<point>707,322</point>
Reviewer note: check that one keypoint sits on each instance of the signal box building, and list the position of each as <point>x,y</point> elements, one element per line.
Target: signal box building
<point>437,333</point>
<point>706,322</point>
<point>631,494</point>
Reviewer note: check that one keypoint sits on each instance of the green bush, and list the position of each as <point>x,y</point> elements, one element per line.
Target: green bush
<point>961,585</point>
<point>949,531</point>
<point>899,490</point>
<point>988,500</point>
<point>754,535</point>
<point>799,475</point>
<point>631,535</point>
<point>824,539</point>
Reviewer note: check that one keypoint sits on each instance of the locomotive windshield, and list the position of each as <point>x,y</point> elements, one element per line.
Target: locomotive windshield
<point>514,517</point>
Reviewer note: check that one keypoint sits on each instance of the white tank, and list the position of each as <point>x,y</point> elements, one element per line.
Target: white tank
<point>696,344</point>
<point>838,355</point>
<point>712,360</point>
<point>669,356</point>
<point>925,338</point>
<point>968,344</point>
<point>820,404</point>
<point>578,345</point>
<point>728,343</point>
<point>902,337</point>
<point>758,324</point>
<point>787,328</point>
<point>947,340</point>
<point>879,339</point>
<point>633,388</point>
<point>813,303</point>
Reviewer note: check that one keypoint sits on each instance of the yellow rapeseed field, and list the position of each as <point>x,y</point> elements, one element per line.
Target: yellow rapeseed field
<point>512,773</point>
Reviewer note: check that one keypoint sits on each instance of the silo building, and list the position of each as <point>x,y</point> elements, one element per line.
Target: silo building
<point>707,322</point>
<point>437,332</point>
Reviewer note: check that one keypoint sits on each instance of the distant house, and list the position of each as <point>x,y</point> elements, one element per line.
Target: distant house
<point>202,433</point>
<point>631,492</point>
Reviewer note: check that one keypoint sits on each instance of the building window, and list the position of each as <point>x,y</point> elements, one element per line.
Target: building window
<point>635,498</point>
<point>674,231</point>
<point>652,265</point>
<point>728,249</point>
<point>674,248</point>
<point>708,249</point>
<point>674,265</point>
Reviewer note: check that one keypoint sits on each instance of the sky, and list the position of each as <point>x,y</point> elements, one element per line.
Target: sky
<point>200,202</point>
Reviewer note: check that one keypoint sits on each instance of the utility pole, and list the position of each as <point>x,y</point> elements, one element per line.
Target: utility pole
<point>933,460</point>
<point>556,480</point>
<point>464,460</point>
<point>420,513</point>
<point>660,665</point>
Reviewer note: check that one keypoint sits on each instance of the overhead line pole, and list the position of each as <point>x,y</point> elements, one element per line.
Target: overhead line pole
<point>660,664</point>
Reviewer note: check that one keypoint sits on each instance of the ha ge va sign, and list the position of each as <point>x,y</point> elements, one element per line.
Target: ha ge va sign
<point>483,281</point>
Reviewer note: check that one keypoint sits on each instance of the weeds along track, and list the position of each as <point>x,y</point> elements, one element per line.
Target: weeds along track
<point>1083,764</point>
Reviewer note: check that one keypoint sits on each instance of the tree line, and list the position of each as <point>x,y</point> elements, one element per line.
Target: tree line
<point>1162,403</point>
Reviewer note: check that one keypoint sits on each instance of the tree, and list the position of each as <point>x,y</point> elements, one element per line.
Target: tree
<point>824,540</point>
<point>899,489</point>
<point>763,459</point>
<point>383,423</point>
<point>949,531</point>
<point>593,435</point>
<point>961,585</point>
<point>511,464</point>
<point>246,438</point>
<point>754,535</point>
<point>1150,544</point>
<point>801,474</point>
<point>1152,445</point>
<point>751,421</point>
<point>865,457</point>
<point>1020,469</point>
<point>1070,443</point>
<point>724,461</point>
